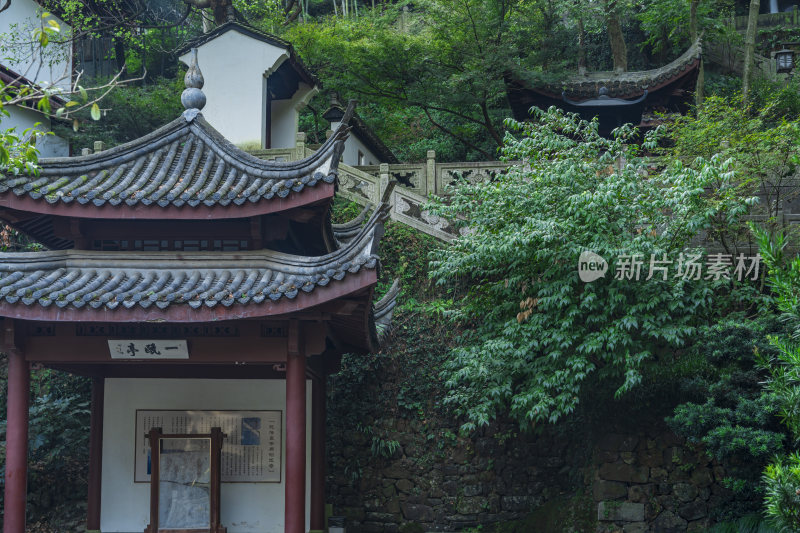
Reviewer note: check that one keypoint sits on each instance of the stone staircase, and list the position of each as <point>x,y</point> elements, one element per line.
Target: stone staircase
<point>415,181</point>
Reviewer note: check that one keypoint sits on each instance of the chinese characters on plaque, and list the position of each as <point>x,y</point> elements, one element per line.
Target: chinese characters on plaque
<point>148,349</point>
<point>251,452</point>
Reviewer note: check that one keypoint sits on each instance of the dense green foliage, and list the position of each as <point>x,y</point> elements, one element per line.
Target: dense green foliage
<point>537,331</point>
<point>729,412</point>
<point>132,112</point>
<point>782,475</point>
<point>58,445</point>
<point>760,146</point>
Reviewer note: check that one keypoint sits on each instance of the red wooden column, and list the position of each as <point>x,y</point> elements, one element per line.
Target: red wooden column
<point>95,455</point>
<point>318,455</point>
<point>295,505</point>
<point>19,386</point>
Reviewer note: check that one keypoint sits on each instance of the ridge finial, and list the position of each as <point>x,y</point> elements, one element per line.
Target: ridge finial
<point>192,97</point>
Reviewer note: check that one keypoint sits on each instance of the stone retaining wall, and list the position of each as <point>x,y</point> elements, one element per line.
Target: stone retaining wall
<point>631,482</point>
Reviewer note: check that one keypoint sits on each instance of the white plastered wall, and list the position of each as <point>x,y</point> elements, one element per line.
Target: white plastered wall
<point>22,118</point>
<point>351,147</point>
<point>286,116</point>
<point>235,67</point>
<point>16,24</point>
<point>21,17</point>
<point>245,507</point>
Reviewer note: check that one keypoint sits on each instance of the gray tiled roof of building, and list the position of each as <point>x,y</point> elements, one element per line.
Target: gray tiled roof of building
<point>186,162</point>
<point>109,280</point>
<point>624,84</point>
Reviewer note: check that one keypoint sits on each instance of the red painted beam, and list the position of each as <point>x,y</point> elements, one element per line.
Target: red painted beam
<point>309,195</point>
<point>95,455</point>
<point>19,380</point>
<point>318,394</point>
<point>295,502</point>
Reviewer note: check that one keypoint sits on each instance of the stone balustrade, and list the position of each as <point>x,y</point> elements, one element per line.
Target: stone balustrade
<point>366,184</point>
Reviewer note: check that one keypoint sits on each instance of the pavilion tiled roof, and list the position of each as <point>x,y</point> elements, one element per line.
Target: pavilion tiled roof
<point>110,280</point>
<point>185,163</point>
<point>623,84</point>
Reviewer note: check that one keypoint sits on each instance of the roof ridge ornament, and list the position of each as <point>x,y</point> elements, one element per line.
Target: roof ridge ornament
<point>192,97</point>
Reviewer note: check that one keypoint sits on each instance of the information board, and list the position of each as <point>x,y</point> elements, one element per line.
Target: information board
<point>251,452</point>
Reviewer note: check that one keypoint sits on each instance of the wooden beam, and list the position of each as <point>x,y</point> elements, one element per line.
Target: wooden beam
<point>202,350</point>
<point>174,371</point>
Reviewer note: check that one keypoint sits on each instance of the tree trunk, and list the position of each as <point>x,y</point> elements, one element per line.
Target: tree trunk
<point>615,36</point>
<point>700,86</point>
<point>693,32</point>
<point>119,55</point>
<point>749,49</point>
<point>581,47</point>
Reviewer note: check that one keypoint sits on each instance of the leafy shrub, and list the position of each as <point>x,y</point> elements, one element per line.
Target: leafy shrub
<point>782,476</point>
<point>536,331</point>
<point>729,412</point>
<point>58,443</point>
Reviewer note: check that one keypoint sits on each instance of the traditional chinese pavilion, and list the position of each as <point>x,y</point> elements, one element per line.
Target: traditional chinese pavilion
<point>203,290</point>
<point>615,98</point>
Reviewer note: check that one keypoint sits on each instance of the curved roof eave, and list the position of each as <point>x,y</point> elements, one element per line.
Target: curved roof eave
<point>180,286</point>
<point>185,169</point>
<point>630,84</point>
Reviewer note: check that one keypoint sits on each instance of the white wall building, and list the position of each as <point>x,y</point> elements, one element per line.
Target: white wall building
<point>30,64</point>
<point>362,147</point>
<point>255,86</point>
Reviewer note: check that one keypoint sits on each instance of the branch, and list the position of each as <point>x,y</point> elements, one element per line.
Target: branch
<point>37,93</point>
<point>453,135</point>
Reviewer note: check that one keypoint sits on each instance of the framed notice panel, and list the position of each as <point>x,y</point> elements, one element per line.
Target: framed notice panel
<point>251,453</point>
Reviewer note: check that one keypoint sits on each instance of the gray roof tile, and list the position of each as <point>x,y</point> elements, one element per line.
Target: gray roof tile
<point>109,280</point>
<point>186,162</point>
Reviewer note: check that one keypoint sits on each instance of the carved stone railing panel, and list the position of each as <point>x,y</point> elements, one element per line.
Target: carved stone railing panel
<point>357,185</point>
<point>410,176</point>
<point>407,207</point>
<point>448,174</point>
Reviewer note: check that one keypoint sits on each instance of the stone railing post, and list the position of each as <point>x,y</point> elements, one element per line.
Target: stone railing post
<point>300,145</point>
<point>383,180</point>
<point>430,174</point>
<point>99,146</point>
<point>86,151</point>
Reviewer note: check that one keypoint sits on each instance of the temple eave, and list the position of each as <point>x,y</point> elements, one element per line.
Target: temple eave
<point>218,210</point>
<point>185,314</point>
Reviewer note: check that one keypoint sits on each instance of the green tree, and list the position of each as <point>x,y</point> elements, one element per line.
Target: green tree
<point>536,331</point>
<point>447,61</point>
<point>782,476</point>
